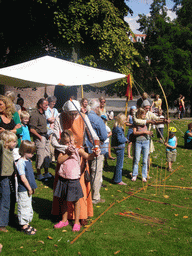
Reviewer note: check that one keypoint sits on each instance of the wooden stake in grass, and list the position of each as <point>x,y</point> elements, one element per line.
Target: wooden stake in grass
<point>165,178</point>
<point>156,180</point>
<point>140,172</point>
<point>160,174</point>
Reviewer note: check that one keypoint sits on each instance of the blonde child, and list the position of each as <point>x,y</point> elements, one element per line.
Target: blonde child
<point>141,144</point>
<point>24,116</point>
<point>118,141</point>
<point>68,186</point>
<point>26,186</point>
<point>171,145</point>
<point>8,141</point>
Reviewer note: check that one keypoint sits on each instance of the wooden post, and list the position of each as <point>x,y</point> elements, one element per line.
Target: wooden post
<point>82,92</point>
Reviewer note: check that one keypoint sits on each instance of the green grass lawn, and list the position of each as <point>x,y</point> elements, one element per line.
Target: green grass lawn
<point>152,228</point>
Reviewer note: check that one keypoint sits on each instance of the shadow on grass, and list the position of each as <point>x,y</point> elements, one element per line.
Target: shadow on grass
<point>42,207</point>
<point>158,165</point>
<point>125,173</point>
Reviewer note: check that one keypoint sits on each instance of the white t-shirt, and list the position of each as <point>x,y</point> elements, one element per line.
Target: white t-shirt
<point>108,131</point>
<point>160,125</point>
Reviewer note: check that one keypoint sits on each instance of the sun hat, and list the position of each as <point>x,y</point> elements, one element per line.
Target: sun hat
<point>172,129</point>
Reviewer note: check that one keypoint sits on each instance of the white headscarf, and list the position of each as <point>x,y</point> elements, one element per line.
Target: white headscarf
<point>68,106</point>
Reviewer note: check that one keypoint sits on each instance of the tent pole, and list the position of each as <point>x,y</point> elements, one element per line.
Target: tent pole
<point>126,107</point>
<point>82,91</point>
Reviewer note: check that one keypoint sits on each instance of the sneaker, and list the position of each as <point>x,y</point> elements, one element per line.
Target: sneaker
<point>40,177</point>
<point>134,178</point>
<point>122,183</point>
<point>47,175</point>
<point>98,201</point>
<point>144,180</point>
<point>61,224</point>
<point>76,227</point>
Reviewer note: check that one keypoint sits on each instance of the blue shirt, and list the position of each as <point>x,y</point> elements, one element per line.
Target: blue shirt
<point>98,126</point>
<point>25,133</point>
<point>24,167</point>
<point>118,137</point>
<point>172,143</point>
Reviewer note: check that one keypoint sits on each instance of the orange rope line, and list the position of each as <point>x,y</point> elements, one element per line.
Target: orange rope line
<point>170,186</point>
<point>91,223</point>
<point>174,171</point>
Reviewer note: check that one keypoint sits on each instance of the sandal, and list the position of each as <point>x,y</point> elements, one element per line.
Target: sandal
<point>32,228</point>
<point>3,229</point>
<point>28,230</point>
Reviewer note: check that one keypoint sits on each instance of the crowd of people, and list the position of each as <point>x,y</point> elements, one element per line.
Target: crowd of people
<point>78,141</point>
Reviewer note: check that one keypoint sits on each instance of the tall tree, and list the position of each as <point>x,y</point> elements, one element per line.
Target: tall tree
<point>168,46</point>
<point>93,30</point>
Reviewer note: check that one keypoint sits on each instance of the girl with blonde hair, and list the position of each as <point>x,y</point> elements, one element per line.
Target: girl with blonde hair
<point>118,141</point>
<point>141,144</point>
<point>9,118</point>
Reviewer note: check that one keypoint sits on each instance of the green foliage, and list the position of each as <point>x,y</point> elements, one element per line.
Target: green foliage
<point>168,45</point>
<point>97,32</point>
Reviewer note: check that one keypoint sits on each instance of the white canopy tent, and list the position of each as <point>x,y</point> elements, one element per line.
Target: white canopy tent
<point>53,71</point>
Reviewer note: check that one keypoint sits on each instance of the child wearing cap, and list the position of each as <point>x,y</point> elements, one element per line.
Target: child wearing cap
<point>171,145</point>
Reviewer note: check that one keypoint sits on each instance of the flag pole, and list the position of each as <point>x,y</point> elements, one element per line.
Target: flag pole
<point>82,92</point>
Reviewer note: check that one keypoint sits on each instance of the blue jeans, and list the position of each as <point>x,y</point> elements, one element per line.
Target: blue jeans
<point>4,201</point>
<point>144,146</point>
<point>117,177</point>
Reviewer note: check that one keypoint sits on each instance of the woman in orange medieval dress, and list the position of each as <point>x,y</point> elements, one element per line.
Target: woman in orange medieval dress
<point>70,119</point>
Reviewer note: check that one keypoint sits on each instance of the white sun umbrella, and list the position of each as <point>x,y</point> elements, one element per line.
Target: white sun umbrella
<point>53,71</point>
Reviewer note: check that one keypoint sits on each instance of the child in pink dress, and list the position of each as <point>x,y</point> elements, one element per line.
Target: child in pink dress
<point>68,185</point>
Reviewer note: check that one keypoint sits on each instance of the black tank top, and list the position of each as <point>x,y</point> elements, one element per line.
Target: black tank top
<point>10,126</point>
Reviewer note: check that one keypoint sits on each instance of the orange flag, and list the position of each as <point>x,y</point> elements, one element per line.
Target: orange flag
<point>129,88</point>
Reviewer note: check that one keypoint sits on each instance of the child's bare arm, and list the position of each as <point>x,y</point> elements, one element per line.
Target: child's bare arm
<point>88,156</point>
<point>135,132</point>
<point>62,158</point>
<point>175,143</point>
<point>27,185</point>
